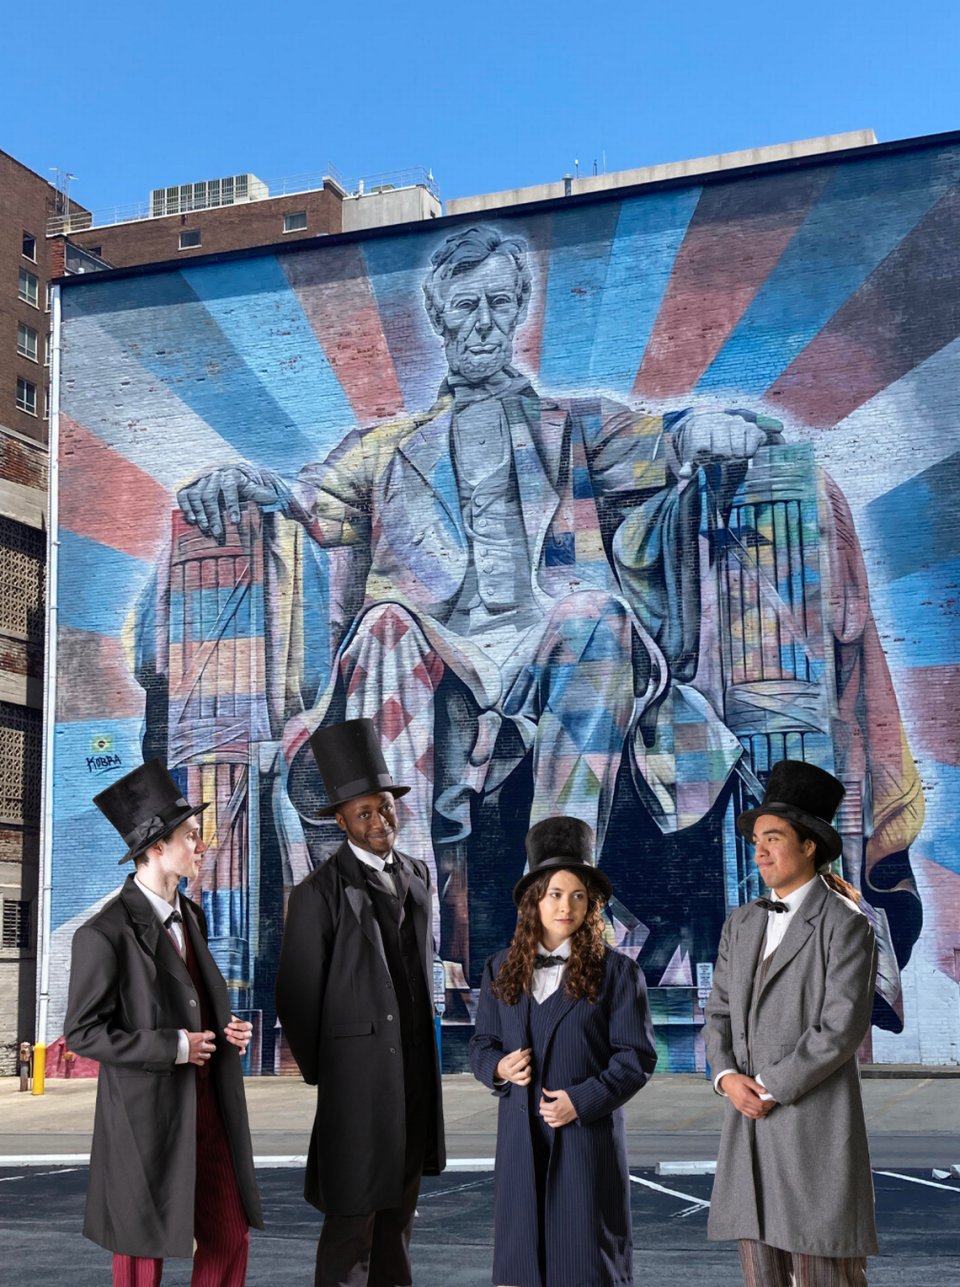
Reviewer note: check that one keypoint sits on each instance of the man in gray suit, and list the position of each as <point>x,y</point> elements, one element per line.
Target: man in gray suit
<point>791,1001</point>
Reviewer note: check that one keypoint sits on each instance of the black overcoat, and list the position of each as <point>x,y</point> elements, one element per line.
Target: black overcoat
<point>337,1007</point>
<point>130,994</point>
<point>600,1055</point>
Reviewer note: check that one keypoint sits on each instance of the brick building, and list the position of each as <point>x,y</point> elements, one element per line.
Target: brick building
<point>43,235</point>
<point>27,203</point>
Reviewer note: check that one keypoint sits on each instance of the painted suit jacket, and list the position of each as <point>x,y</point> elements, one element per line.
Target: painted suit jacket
<point>392,490</point>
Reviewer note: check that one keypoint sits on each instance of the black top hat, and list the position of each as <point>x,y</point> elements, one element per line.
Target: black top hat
<point>145,806</point>
<point>565,843</point>
<point>806,795</point>
<point>351,763</point>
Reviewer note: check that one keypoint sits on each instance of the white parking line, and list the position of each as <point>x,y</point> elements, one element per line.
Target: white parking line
<point>698,1203</point>
<point>912,1179</point>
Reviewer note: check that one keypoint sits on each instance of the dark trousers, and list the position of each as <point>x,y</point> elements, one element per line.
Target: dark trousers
<point>373,1250</point>
<point>220,1224</point>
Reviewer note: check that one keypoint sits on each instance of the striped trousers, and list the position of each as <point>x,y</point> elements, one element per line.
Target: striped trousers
<point>220,1224</point>
<point>765,1266</point>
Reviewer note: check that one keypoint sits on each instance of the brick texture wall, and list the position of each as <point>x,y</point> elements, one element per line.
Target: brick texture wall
<point>258,223</point>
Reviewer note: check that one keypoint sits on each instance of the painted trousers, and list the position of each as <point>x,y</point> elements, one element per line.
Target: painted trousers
<point>765,1266</point>
<point>220,1224</point>
<point>567,689</point>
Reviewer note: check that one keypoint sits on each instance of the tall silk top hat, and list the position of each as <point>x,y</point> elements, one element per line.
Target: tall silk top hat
<point>351,763</point>
<point>145,806</point>
<point>806,795</point>
<point>565,843</point>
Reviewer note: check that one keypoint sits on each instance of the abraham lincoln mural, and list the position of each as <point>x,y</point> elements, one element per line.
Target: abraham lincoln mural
<point>555,600</point>
<point>578,504</point>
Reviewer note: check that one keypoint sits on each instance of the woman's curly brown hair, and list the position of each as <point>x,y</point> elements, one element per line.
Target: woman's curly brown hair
<point>583,976</point>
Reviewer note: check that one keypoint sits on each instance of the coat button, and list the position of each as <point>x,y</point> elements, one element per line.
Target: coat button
<point>193,1003</point>
<point>393,1050</point>
<point>389,1016</point>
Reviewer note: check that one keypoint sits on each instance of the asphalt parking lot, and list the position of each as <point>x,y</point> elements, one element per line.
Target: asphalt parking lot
<point>41,1213</point>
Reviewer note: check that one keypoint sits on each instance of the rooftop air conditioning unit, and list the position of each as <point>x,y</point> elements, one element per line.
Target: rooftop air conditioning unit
<point>235,189</point>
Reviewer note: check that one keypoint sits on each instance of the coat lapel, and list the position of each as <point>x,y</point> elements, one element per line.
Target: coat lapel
<point>358,900</point>
<point>798,931</point>
<point>428,451</point>
<point>749,937</point>
<point>537,432</point>
<point>409,881</point>
<point>152,936</point>
<point>209,970</point>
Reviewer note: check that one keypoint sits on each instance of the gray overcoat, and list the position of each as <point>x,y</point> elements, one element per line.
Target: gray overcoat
<point>130,993</point>
<point>798,1179</point>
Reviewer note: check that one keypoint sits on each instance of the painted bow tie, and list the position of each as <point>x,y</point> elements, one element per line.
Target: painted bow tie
<point>772,906</point>
<point>544,962</point>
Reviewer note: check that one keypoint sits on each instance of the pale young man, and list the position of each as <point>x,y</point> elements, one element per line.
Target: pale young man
<point>171,1166</point>
<point>791,1003</point>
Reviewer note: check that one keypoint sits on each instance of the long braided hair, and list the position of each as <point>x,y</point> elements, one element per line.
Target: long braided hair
<point>836,883</point>
<point>583,976</point>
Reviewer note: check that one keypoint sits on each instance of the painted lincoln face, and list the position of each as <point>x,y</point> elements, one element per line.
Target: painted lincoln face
<point>480,310</point>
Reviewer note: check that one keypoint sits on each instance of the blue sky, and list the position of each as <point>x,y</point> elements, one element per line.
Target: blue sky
<point>490,96</point>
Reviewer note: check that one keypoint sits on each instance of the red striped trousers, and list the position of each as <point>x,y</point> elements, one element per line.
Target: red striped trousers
<point>765,1266</point>
<point>220,1224</point>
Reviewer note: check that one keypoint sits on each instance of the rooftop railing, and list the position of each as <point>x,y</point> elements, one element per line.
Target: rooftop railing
<point>288,185</point>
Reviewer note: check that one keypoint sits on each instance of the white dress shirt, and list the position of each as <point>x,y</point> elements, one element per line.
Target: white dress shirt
<point>376,862</point>
<point>548,979</point>
<point>163,910</point>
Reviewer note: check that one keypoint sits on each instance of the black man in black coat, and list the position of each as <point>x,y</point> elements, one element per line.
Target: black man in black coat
<point>354,997</point>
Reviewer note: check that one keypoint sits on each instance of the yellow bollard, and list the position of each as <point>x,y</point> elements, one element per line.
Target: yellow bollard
<point>39,1068</point>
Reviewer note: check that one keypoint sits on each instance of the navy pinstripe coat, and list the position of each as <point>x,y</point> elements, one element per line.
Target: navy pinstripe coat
<point>600,1055</point>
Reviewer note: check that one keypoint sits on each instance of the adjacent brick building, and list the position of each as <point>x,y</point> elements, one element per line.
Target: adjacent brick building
<point>27,202</point>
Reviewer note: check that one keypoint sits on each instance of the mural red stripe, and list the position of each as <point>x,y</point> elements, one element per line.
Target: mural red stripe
<point>931,696</point>
<point>736,236</point>
<point>939,888</point>
<point>903,313</point>
<point>339,303</point>
<point>82,654</point>
<point>529,341</point>
<point>106,498</point>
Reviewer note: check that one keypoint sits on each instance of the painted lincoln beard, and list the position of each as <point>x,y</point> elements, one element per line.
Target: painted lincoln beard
<point>583,976</point>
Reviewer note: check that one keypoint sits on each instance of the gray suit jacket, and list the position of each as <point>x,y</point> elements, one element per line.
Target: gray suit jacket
<point>800,1178</point>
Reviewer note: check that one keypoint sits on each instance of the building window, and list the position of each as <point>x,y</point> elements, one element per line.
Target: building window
<point>26,341</point>
<point>46,351</point>
<point>190,239</point>
<point>46,403</point>
<point>16,923</point>
<point>29,247</point>
<point>26,396</point>
<point>23,558</point>
<point>295,222</point>
<point>21,739</point>
<point>50,290</point>
<point>29,290</point>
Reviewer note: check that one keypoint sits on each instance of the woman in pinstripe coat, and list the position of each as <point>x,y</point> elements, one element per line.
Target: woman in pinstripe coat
<point>564,1038</point>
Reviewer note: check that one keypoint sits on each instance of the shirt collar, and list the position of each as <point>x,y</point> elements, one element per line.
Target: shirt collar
<point>563,950</point>
<point>794,900</point>
<point>372,860</point>
<point>159,905</point>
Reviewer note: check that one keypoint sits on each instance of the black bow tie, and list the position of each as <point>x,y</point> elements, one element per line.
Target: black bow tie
<point>391,866</point>
<point>771,905</point>
<point>544,962</point>
<point>173,919</point>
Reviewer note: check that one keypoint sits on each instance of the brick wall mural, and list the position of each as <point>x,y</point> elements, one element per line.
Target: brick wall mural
<point>601,510</point>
